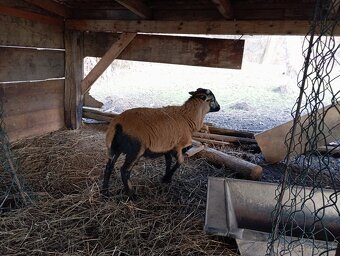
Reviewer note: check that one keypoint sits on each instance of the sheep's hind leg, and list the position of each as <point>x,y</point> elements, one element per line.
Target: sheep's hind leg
<point>125,171</point>
<point>107,173</point>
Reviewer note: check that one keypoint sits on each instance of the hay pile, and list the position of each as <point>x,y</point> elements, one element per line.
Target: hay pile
<point>69,217</point>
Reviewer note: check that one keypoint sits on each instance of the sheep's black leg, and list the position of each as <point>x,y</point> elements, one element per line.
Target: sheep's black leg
<point>180,159</point>
<point>168,175</point>
<point>168,160</point>
<point>107,173</point>
<point>125,173</point>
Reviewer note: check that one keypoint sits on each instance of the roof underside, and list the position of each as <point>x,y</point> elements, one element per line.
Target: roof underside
<point>190,9</point>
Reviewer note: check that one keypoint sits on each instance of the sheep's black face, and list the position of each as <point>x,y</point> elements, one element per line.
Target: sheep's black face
<point>207,95</point>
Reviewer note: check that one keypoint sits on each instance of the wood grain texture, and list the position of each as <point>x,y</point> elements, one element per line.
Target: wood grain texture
<point>114,51</point>
<point>222,53</point>
<point>73,76</point>
<point>51,6</point>
<point>224,7</point>
<point>33,108</point>
<point>137,7</point>
<point>29,33</point>
<point>19,64</point>
<point>245,27</point>
<point>31,16</point>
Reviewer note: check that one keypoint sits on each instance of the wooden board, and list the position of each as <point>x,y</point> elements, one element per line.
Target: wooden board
<point>244,27</point>
<point>73,76</point>
<point>33,108</point>
<point>272,142</point>
<point>222,53</point>
<point>19,64</point>
<point>29,33</point>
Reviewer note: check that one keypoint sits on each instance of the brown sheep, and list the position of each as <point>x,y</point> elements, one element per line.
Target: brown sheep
<point>152,132</point>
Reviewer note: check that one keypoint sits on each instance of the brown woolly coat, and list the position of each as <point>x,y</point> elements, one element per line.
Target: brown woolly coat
<point>161,129</point>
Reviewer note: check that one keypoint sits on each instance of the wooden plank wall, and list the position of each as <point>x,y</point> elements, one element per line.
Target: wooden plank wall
<point>32,70</point>
<point>33,108</point>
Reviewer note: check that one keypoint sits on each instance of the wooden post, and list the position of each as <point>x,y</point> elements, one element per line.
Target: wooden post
<point>73,77</point>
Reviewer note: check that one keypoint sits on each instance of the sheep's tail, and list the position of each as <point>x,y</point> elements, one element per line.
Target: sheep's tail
<point>112,143</point>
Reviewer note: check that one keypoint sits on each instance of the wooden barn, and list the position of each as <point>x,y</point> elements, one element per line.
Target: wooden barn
<point>43,44</point>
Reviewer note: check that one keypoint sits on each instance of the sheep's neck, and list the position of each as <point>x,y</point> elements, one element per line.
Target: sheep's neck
<point>193,111</point>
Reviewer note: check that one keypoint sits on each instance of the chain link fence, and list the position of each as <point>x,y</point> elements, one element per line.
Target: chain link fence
<point>311,143</point>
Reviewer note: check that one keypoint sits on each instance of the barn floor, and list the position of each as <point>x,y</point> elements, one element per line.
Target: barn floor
<point>68,217</point>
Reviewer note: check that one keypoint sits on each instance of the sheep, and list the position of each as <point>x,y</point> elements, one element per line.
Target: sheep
<point>153,132</point>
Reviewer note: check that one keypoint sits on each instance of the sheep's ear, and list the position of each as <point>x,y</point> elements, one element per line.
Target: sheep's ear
<point>192,93</point>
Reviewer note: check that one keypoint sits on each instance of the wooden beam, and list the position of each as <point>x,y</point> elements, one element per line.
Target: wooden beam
<point>224,7</point>
<point>137,7</point>
<point>106,60</point>
<point>73,77</point>
<point>31,16</point>
<point>206,52</point>
<point>51,6</point>
<point>244,27</point>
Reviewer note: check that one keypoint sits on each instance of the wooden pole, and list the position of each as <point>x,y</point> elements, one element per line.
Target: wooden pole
<point>246,169</point>
<point>223,138</point>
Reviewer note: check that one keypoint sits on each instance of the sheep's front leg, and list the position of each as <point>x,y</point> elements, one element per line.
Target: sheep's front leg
<point>170,171</point>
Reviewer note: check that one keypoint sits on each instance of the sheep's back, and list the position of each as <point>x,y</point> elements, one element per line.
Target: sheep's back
<point>159,130</point>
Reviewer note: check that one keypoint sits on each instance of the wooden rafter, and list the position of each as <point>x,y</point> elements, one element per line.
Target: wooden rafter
<point>137,7</point>
<point>224,7</point>
<point>245,27</point>
<point>51,6</point>
<point>106,60</point>
<point>30,15</point>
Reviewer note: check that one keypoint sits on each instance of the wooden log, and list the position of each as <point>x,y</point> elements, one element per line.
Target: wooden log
<point>223,138</point>
<point>212,142</point>
<point>245,169</point>
<point>194,150</point>
<point>230,132</point>
<point>98,114</point>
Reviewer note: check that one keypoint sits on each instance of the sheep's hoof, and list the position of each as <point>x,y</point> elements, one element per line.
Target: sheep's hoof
<point>166,180</point>
<point>105,194</point>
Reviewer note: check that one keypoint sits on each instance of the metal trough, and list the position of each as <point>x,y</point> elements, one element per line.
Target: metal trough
<point>242,209</point>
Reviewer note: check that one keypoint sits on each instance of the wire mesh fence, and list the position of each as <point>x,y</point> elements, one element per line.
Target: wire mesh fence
<point>308,196</point>
<point>12,190</point>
